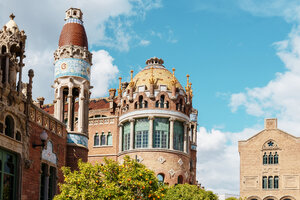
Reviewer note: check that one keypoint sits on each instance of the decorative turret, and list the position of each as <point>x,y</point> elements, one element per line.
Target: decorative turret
<point>12,44</point>
<point>72,79</point>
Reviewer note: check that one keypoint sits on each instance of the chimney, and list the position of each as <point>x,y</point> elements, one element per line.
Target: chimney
<point>271,123</point>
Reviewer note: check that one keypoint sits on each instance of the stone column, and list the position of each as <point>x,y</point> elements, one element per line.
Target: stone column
<point>150,139</point>
<point>131,133</point>
<point>6,69</point>
<point>70,105</point>
<point>20,77</point>
<point>81,109</point>
<point>195,134</point>
<point>120,137</point>
<point>185,140</point>
<point>172,133</point>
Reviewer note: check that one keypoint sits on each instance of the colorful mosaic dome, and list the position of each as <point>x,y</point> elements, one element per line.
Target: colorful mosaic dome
<point>161,75</point>
<point>73,33</point>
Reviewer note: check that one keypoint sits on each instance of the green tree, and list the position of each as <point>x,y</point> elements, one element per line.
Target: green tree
<point>188,192</point>
<point>111,180</point>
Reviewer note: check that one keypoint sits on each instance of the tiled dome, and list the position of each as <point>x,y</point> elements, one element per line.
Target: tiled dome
<point>73,33</point>
<point>161,75</point>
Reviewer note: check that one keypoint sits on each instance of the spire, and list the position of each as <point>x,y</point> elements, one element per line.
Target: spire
<point>173,81</point>
<point>131,84</point>
<point>188,86</point>
<point>120,86</point>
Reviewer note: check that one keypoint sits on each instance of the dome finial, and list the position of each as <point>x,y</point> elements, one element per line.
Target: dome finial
<point>12,16</point>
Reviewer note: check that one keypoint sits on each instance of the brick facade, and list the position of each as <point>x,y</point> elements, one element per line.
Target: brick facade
<point>255,171</point>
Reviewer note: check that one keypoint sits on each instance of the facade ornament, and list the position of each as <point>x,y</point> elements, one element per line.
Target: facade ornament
<point>171,172</point>
<point>131,83</point>
<point>161,159</point>
<point>180,162</point>
<point>152,79</point>
<point>186,174</point>
<point>173,81</point>
<point>120,88</point>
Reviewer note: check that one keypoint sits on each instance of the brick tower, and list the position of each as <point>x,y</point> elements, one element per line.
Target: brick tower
<point>72,84</point>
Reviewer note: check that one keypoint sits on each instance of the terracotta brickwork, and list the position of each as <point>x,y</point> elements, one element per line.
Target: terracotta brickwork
<point>74,153</point>
<point>253,167</point>
<point>31,172</point>
<point>153,94</point>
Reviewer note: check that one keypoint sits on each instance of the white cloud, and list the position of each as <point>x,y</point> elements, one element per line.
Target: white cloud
<point>107,23</point>
<point>218,159</point>
<point>288,9</point>
<point>280,97</point>
<point>103,72</point>
<point>144,42</point>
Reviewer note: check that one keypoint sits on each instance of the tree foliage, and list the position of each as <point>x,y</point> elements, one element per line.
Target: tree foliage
<point>127,181</point>
<point>188,192</point>
<point>111,180</point>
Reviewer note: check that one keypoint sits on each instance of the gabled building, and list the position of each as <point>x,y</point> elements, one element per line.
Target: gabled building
<point>270,165</point>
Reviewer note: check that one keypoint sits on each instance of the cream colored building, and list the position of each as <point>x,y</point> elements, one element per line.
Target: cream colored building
<point>270,165</point>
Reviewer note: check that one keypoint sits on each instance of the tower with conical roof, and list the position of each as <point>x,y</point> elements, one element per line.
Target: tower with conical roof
<point>72,83</point>
<point>12,46</point>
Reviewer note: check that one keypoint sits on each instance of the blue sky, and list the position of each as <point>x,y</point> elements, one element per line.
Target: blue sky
<point>243,58</point>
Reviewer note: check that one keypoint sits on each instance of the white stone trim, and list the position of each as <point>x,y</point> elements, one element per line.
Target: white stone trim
<point>157,112</point>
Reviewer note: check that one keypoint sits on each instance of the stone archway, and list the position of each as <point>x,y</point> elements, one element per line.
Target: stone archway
<point>287,198</point>
<point>253,198</point>
<point>270,198</point>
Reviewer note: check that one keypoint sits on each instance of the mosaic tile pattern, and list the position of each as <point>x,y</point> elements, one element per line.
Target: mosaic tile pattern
<point>48,154</point>
<point>77,139</point>
<point>74,20</point>
<point>72,67</point>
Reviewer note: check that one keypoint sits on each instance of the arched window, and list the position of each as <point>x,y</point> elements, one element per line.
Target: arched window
<point>178,135</point>
<point>265,159</point>
<point>161,133</point>
<point>162,101</point>
<point>156,104</point>
<point>180,179</point>
<point>276,158</point>
<point>271,161</point>
<point>18,136</point>
<point>109,139</point>
<point>161,178</point>
<point>9,126</point>
<point>264,182</point>
<point>102,139</point>
<point>126,136</point>
<point>141,102</point>
<point>96,140</point>
<point>276,181</point>
<point>146,104</point>
<point>141,130</point>
<point>167,104</point>
<point>270,182</point>
<point>135,105</point>
<point>180,104</point>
